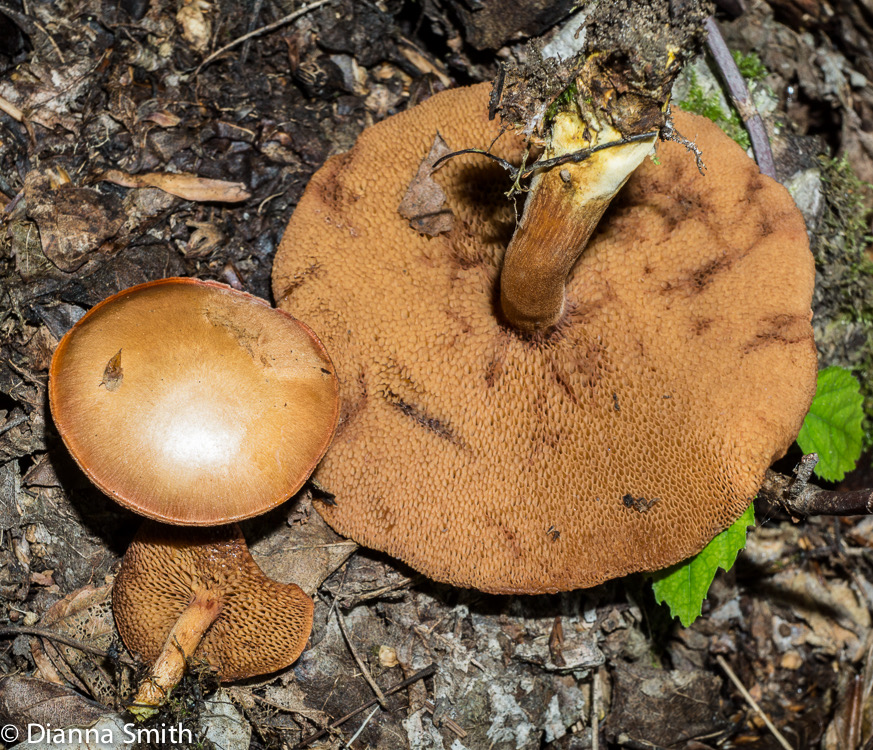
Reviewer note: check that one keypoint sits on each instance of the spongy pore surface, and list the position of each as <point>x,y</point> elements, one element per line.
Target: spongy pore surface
<point>622,441</point>
<point>263,625</point>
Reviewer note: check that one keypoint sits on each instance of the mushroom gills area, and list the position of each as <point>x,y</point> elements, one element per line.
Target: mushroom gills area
<point>173,579</point>
<point>621,441</point>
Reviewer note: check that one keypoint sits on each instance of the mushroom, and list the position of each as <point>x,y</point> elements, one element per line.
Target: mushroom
<point>620,439</point>
<point>186,593</point>
<point>192,403</point>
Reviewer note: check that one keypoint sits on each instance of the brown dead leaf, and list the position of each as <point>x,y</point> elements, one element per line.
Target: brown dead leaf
<point>425,202</point>
<point>184,185</point>
<point>85,615</point>
<point>73,221</point>
<point>26,701</point>
<point>305,553</point>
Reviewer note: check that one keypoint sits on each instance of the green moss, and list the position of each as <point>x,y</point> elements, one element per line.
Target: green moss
<point>750,65</point>
<point>565,99</point>
<point>709,105</point>
<point>843,300</point>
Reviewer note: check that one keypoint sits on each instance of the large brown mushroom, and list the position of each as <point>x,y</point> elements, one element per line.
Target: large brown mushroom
<point>184,594</point>
<point>192,403</point>
<point>621,439</point>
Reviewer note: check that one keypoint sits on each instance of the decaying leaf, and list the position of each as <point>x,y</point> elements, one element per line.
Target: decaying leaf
<point>425,202</point>
<point>85,615</point>
<point>73,221</point>
<point>306,551</point>
<point>26,701</point>
<point>184,185</point>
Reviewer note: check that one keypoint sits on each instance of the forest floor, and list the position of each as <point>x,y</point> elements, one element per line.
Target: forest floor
<point>89,86</point>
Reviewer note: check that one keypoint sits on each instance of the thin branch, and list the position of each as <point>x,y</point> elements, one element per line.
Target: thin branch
<point>742,100</point>
<point>263,30</point>
<point>380,697</point>
<point>67,641</point>
<point>802,499</point>
<point>419,675</point>
<point>574,157</point>
<point>751,701</point>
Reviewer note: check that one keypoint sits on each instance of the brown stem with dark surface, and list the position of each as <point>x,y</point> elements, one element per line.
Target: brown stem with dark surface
<point>549,239</point>
<point>811,500</point>
<point>562,210</point>
<point>180,645</point>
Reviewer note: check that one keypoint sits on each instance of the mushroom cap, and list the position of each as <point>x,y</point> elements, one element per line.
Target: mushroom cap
<point>192,403</point>
<point>263,625</point>
<point>621,441</point>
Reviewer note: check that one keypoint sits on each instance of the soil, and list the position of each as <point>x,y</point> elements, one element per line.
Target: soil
<point>94,91</point>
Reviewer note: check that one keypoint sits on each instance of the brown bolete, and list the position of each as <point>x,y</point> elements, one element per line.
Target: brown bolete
<point>184,593</point>
<point>192,403</point>
<point>621,438</point>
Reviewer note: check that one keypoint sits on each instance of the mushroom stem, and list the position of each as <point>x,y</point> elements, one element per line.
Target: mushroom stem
<point>181,643</point>
<point>561,213</point>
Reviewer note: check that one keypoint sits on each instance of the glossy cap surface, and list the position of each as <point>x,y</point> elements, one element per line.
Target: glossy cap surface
<point>192,403</point>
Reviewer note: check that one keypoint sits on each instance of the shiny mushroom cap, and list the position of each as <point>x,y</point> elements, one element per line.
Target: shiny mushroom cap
<point>261,626</point>
<point>192,403</point>
<point>623,439</point>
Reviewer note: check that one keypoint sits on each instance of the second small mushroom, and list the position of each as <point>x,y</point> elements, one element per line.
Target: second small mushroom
<point>181,595</point>
<point>194,404</point>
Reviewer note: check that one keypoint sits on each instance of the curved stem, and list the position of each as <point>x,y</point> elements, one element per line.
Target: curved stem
<point>561,213</point>
<point>180,645</point>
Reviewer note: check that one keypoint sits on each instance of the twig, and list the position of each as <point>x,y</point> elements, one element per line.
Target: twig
<point>419,675</point>
<point>263,30</point>
<point>16,113</point>
<point>742,100</point>
<point>439,721</point>
<point>376,593</point>
<point>811,500</point>
<point>30,27</point>
<point>363,667</point>
<point>72,642</point>
<point>574,157</point>
<point>256,11</point>
<point>12,423</point>
<point>751,701</point>
<point>595,711</point>
<point>361,728</point>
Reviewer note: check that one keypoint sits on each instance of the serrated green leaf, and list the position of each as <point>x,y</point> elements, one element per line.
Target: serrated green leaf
<point>833,426</point>
<point>683,587</point>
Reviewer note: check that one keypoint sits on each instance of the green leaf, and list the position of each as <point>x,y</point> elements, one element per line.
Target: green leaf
<point>684,586</point>
<point>833,426</point>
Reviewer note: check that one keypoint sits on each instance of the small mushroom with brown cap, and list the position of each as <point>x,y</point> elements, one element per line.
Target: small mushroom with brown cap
<point>192,403</point>
<point>198,593</point>
<point>621,439</point>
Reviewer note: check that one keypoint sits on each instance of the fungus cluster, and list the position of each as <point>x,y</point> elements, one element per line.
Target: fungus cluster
<point>194,404</point>
<point>621,438</point>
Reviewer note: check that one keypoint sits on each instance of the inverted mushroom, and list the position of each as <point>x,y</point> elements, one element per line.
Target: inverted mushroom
<point>184,594</point>
<point>192,403</point>
<point>621,439</point>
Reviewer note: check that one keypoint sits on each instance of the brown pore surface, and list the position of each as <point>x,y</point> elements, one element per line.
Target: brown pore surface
<point>623,440</point>
<point>217,409</point>
<point>263,625</point>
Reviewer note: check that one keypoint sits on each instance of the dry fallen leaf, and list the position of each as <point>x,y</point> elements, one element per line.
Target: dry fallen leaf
<point>26,701</point>
<point>184,185</point>
<point>425,202</point>
<point>86,615</point>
